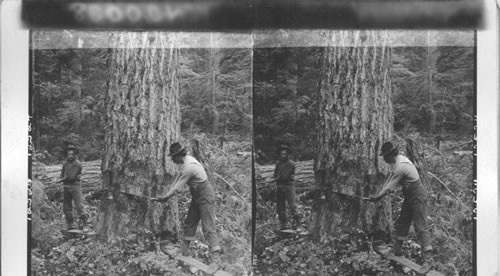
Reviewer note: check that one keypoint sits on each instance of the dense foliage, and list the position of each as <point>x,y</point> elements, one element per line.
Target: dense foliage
<point>216,91</point>
<point>69,85</point>
<point>433,94</point>
<point>285,84</point>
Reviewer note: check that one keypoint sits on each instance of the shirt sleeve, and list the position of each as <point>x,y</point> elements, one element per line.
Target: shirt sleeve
<point>292,170</point>
<point>80,169</point>
<point>396,176</point>
<point>74,172</point>
<point>392,182</point>
<point>400,171</point>
<point>62,170</point>
<point>275,175</point>
<point>188,171</point>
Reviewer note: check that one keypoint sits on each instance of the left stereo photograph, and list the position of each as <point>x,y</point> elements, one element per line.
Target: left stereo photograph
<point>142,153</point>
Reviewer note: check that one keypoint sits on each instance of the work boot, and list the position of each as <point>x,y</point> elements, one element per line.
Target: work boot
<point>426,261</point>
<point>84,223</point>
<point>285,226</point>
<point>71,224</point>
<point>216,250</point>
<point>214,253</point>
<point>297,223</point>
<point>184,250</point>
<point>398,248</point>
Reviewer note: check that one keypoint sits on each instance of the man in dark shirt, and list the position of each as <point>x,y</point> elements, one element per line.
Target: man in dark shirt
<point>285,189</point>
<point>70,176</point>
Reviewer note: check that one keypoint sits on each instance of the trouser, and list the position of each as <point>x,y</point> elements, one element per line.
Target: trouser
<point>73,193</point>
<point>202,208</point>
<point>286,194</point>
<point>414,210</point>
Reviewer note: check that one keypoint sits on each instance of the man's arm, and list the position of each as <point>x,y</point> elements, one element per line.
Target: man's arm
<point>389,186</point>
<point>180,182</point>
<point>74,173</point>
<point>292,175</point>
<point>275,174</point>
<point>79,172</point>
<point>62,177</point>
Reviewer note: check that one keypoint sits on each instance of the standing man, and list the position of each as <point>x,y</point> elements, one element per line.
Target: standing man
<point>70,176</point>
<point>285,189</point>
<point>414,207</point>
<point>202,205</point>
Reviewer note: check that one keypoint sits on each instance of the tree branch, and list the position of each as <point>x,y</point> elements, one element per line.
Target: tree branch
<point>456,197</point>
<point>232,188</point>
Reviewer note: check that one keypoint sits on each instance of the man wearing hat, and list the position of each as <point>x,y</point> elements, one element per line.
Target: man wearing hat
<point>414,208</point>
<point>285,189</point>
<point>202,205</point>
<point>70,176</point>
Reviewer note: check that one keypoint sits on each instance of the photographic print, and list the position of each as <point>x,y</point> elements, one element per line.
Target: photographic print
<point>364,143</point>
<point>249,138</point>
<point>142,153</point>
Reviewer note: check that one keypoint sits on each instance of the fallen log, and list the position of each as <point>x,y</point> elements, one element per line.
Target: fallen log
<point>462,152</point>
<point>304,175</point>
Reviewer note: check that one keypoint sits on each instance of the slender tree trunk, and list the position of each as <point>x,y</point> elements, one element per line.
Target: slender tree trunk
<point>143,115</point>
<point>75,79</point>
<point>294,82</point>
<point>355,118</point>
<point>213,71</point>
<point>429,67</point>
<point>432,114</point>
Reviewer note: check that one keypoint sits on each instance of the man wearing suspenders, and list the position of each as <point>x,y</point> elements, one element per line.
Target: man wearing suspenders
<point>202,205</point>
<point>414,207</point>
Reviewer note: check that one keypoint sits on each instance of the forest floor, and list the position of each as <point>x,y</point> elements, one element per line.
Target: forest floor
<point>448,177</point>
<point>54,254</point>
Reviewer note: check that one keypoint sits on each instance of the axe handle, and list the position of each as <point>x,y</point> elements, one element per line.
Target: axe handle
<point>354,196</point>
<point>141,196</point>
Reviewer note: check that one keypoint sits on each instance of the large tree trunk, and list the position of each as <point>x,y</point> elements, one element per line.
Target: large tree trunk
<point>355,118</point>
<point>143,115</point>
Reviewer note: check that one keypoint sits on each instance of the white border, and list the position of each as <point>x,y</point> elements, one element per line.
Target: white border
<point>14,139</point>
<point>14,118</point>
<point>487,145</point>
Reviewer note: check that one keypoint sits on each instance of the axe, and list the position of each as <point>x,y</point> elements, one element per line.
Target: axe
<point>323,189</point>
<point>139,196</point>
<point>353,196</point>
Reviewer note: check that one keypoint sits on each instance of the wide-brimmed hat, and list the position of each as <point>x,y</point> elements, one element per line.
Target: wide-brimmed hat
<point>284,147</point>
<point>71,147</point>
<point>388,148</point>
<point>175,149</point>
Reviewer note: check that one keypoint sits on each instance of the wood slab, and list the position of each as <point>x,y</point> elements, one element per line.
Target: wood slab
<point>382,250</point>
<point>293,232</point>
<point>173,252</point>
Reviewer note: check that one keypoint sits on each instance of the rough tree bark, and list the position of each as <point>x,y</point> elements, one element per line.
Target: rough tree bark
<point>355,118</point>
<point>143,116</point>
